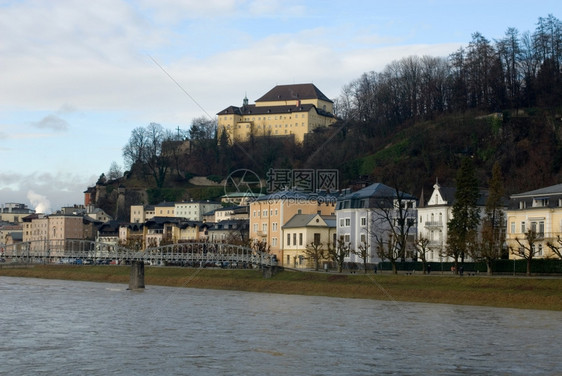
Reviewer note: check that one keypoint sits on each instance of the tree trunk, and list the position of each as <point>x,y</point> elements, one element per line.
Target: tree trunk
<point>394,270</point>
<point>529,267</point>
<point>489,267</point>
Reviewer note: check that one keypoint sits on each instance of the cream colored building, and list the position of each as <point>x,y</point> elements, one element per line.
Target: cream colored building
<point>62,228</point>
<point>14,212</point>
<point>270,212</point>
<point>141,213</point>
<point>300,232</point>
<point>230,213</point>
<point>9,230</point>
<point>539,210</point>
<point>55,228</point>
<point>165,209</point>
<point>194,210</point>
<point>36,229</point>
<point>286,110</point>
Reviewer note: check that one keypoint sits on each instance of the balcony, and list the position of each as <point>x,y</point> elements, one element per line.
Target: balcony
<point>548,236</point>
<point>433,224</point>
<point>435,243</point>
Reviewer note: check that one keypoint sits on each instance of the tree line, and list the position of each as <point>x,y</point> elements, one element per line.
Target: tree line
<point>520,69</point>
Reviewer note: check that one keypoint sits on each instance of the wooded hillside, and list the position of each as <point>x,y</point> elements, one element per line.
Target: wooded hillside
<point>407,125</point>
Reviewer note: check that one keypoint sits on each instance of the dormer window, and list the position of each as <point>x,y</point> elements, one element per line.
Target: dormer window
<point>540,202</point>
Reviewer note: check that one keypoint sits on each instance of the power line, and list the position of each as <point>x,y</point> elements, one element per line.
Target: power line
<point>181,88</point>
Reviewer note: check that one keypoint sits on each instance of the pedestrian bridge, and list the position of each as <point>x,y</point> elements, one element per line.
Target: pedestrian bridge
<point>83,252</point>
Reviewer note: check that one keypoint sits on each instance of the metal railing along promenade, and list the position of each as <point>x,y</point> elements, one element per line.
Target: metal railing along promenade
<point>91,252</point>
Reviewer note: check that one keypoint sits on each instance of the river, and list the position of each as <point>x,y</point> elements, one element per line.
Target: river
<point>52,327</point>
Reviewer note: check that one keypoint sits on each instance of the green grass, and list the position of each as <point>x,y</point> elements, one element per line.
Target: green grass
<point>521,292</point>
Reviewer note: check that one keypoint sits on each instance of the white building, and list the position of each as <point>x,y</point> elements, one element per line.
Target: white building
<point>194,210</point>
<point>366,216</point>
<point>434,216</point>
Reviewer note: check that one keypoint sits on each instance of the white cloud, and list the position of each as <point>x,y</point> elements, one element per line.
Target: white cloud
<point>52,122</point>
<point>58,190</point>
<point>87,64</point>
<point>172,11</point>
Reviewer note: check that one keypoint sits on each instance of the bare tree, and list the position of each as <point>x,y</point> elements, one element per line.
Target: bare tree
<point>489,248</point>
<point>556,248</point>
<point>338,252</point>
<point>421,246</point>
<point>145,149</point>
<point>202,128</point>
<point>114,171</point>
<point>316,251</point>
<point>363,252</point>
<point>134,151</point>
<point>260,246</point>
<point>527,249</point>
<point>393,215</point>
<point>387,250</point>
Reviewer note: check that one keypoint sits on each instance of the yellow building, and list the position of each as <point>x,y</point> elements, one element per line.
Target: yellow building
<point>270,212</point>
<point>301,232</point>
<point>539,210</point>
<point>141,213</point>
<point>286,110</point>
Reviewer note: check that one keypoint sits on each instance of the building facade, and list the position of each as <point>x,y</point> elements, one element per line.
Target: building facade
<point>370,216</point>
<point>14,212</point>
<point>270,212</point>
<point>194,210</point>
<point>304,230</point>
<point>539,210</point>
<point>434,217</point>
<point>286,110</point>
<point>141,213</point>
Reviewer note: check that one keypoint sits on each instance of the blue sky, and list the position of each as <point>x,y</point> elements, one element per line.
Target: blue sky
<point>77,77</point>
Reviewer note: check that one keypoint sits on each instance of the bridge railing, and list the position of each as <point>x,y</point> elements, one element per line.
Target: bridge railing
<point>86,251</point>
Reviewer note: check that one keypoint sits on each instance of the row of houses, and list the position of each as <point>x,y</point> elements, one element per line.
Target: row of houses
<point>289,222</point>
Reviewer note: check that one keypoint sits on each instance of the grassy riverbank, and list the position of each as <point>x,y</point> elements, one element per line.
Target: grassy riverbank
<point>523,292</point>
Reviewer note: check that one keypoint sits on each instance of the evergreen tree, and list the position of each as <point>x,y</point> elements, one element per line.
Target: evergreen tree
<point>466,217</point>
<point>493,230</point>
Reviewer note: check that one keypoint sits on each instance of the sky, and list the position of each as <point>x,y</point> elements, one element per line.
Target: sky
<point>76,77</point>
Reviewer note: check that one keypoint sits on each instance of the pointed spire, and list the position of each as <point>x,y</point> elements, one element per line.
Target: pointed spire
<point>245,102</point>
<point>421,204</point>
<point>436,185</point>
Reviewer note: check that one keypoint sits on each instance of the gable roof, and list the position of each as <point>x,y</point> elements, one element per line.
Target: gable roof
<point>448,195</point>
<point>377,190</point>
<point>552,190</point>
<point>252,109</point>
<point>165,204</point>
<point>320,197</point>
<point>293,92</point>
<point>306,220</point>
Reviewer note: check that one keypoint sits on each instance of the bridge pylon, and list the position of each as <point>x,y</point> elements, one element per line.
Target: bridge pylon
<point>136,277</point>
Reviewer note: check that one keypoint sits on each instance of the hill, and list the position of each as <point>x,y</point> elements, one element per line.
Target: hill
<point>526,143</point>
<point>406,126</point>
